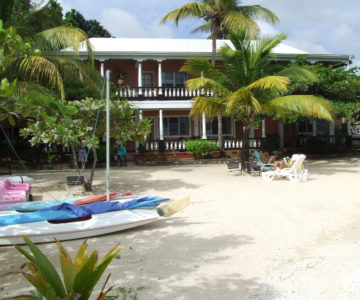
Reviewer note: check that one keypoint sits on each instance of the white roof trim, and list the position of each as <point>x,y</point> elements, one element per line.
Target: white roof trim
<point>161,49</point>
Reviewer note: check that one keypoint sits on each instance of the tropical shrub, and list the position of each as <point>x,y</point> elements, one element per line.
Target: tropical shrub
<point>79,275</point>
<point>270,143</point>
<point>201,148</point>
<point>315,145</point>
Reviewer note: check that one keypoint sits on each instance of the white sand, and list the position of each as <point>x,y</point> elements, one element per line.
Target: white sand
<point>240,238</point>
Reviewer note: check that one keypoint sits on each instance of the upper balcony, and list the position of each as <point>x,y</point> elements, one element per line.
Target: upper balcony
<point>160,93</point>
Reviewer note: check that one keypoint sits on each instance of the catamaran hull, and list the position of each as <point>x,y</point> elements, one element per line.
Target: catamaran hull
<point>100,224</point>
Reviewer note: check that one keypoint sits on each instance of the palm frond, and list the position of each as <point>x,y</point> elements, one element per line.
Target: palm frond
<point>299,73</point>
<point>302,105</point>
<point>236,21</point>
<point>190,10</point>
<point>270,82</point>
<point>243,100</point>
<point>257,11</point>
<point>62,37</point>
<point>206,84</point>
<point>197,66</point>
<point>73,68</point>
<point>203,28</point>
<point>210,106</point>
<point>42,70</point>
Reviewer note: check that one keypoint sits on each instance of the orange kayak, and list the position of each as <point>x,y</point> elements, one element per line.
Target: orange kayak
<point>113,196</point>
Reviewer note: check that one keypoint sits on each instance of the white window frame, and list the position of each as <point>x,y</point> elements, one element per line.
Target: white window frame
<point>231,127</point>
<point>174,78</point>
<point>177,116</point>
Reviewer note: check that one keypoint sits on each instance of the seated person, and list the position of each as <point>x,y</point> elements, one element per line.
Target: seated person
<point>285,163</point>
<point>267,159</point>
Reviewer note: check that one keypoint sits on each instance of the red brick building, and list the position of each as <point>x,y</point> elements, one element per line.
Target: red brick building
<point>147,72</point>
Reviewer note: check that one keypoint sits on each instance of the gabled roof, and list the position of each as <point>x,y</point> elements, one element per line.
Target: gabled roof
<point>160,49</point>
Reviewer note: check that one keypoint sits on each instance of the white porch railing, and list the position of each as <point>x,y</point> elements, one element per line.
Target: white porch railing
<point>179,145</point>
<point>159,92</point>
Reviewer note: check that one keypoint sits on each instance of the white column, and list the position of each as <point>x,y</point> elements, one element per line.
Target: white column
<point>251,133</point>
<point>348,127</point>
<point>281,133</point>
<point>263,128</point>
<point>160,77</point>
<point>102,68</point>
<point>251,136</point>
<point>203,119</point>
<point>161,125</point>
<point>140,76</point>
<point>332,132</point>
<point>140,114</point>
<point>196,126</point>
<point>314,132</point>
<point>331,129</point>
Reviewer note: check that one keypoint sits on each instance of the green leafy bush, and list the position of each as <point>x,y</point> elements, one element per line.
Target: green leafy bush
<point>201,148</point>
<point>315,145</point>
<point>270,143</point>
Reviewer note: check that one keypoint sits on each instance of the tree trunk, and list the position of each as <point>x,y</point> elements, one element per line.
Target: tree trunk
<point>88,183</point>
<point>214,36</point>
<point>245,146</point>
<point>75,164</point>
<point>220,137</point>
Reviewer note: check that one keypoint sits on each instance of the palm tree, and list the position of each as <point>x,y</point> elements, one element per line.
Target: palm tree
<point>221,17</point>
<point>245,88</point>
<point>42,28</point>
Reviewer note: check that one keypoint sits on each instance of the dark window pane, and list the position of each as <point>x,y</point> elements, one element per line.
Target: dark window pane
<point>302,127</point>
<point>184,126</point>
<point>320,126</point>
<point>310,127</point>
<point>226,125</point>
<point>212,128</point>
<point>173,127</point>
<point>166,126</point>
<point>180,78</point>
<point>147,79</point>
<point>167,79</point>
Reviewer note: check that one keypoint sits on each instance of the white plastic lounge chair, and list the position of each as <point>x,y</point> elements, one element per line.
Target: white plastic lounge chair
<point>295,173</point>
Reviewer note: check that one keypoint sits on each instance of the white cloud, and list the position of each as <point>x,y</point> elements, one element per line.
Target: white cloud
<point>124,24</point>
<point>65,5</point>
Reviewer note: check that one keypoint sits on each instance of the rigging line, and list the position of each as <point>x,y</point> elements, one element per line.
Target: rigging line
<point>22,163</point>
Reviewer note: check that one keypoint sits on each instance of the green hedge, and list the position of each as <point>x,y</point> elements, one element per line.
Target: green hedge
<point>201,148</point>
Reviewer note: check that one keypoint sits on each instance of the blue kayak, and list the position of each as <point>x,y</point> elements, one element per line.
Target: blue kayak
<point>68,211</point>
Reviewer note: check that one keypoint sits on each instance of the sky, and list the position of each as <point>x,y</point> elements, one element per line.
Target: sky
<point>315,26</point>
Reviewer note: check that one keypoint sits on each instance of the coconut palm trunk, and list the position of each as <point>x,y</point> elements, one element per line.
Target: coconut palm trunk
<point>221,142</point>
<point>245,146</point>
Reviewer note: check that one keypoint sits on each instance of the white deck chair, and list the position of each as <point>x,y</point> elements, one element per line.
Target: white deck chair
<point>295,173</point>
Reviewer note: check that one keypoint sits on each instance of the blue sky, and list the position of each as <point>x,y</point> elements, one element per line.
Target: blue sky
<point>316,26</point>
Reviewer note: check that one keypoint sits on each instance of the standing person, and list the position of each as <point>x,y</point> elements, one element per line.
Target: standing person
<point>121,154</point>
<point>82,154</point>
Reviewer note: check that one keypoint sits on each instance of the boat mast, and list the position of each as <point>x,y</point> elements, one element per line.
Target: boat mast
<point>107,135</point>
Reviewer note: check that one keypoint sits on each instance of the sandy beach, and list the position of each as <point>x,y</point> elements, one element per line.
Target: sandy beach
<point>240,237</point>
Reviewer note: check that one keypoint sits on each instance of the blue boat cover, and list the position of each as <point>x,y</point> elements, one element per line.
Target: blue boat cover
<point>36,205</point>
<point>68,211</point>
